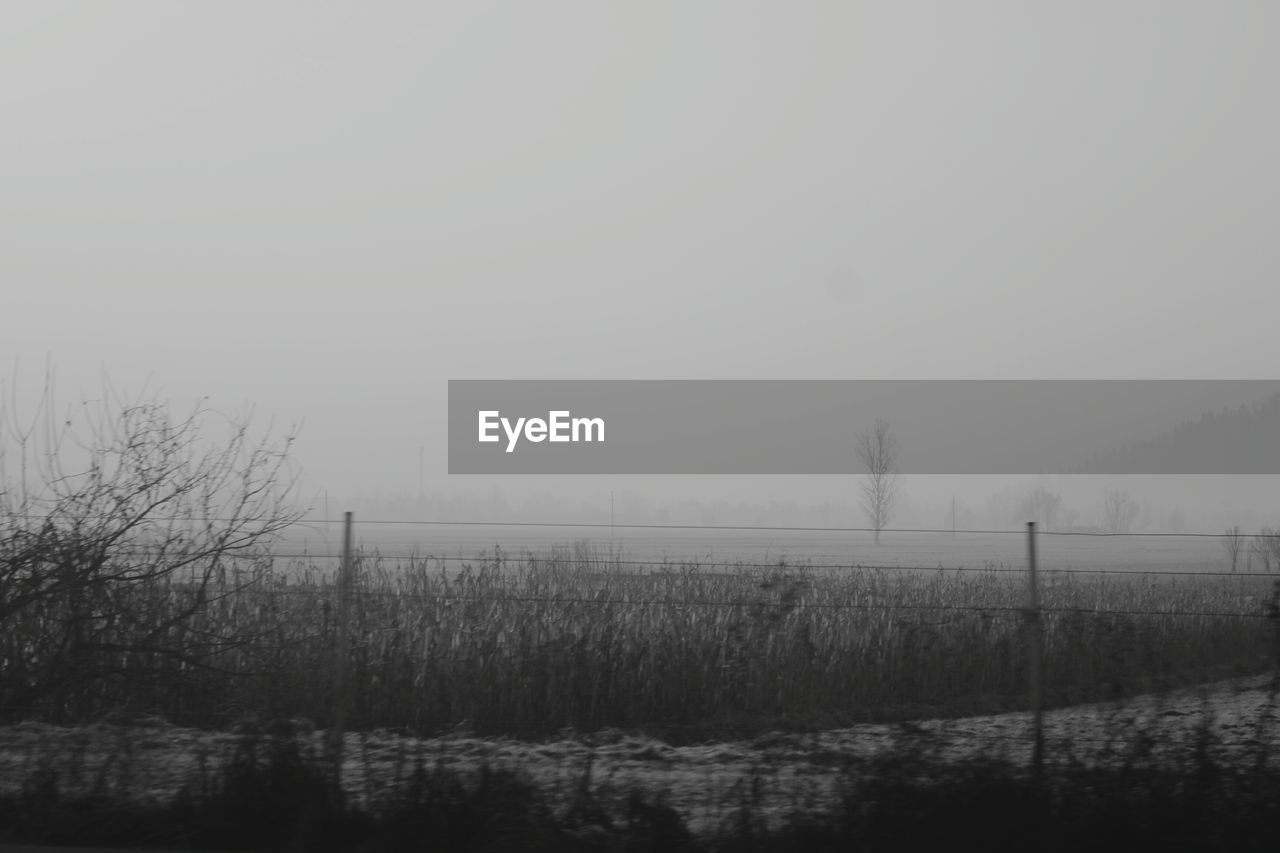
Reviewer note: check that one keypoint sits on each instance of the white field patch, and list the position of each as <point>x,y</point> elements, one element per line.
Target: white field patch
<point>704,783</point>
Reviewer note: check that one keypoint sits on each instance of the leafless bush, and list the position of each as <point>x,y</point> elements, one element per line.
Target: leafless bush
<point>114,521</point>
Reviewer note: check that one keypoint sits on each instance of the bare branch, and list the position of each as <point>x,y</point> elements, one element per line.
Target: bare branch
<point>111,503</point>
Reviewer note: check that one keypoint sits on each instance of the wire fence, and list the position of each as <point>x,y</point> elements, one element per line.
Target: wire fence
<point>320,523</point>
<point>436,546</point>
<point>746,527</point>
<point>639,548</point>
<point>407,631</point>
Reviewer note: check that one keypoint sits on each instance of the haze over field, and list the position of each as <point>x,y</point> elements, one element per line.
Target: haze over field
<point>326,212</point>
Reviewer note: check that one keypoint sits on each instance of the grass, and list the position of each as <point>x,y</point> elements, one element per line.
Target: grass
<point>580,638</point>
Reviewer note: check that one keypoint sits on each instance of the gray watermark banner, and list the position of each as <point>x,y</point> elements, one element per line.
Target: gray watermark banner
<point>813,426</point>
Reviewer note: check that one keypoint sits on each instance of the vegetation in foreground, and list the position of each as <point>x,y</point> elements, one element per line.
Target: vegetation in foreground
<point>135,577</point>
<point>576,639</point>
<point>275,797</point>
<point>140,583</point>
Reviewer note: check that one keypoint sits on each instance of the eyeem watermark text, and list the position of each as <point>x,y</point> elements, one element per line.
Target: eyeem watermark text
<point>558,426</point>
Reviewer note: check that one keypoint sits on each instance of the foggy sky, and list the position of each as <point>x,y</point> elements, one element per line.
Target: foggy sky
<point>327,211</point>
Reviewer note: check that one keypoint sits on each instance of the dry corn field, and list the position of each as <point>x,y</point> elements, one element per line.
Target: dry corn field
<point>578,638</point>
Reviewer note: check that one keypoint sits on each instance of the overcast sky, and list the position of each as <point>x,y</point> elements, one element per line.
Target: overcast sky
<point>328,210</point>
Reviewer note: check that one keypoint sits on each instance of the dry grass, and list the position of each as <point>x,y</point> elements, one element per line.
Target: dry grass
<point>578,638</point>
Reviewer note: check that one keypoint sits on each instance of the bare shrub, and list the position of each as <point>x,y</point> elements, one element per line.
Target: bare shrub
<point>116,520</point>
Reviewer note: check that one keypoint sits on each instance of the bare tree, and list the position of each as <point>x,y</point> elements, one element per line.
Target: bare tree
<point>1119,511</point>
<point>878,451</point>
<point>1233,540</point>
<point>1266,547</point>
<point>118,524</point>
<point>1041,506</point>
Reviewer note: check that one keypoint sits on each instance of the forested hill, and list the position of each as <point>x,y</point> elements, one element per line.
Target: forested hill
<point>1241,441</point>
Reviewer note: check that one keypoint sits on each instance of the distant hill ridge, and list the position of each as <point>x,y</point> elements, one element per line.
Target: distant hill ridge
<point>1241,441</point>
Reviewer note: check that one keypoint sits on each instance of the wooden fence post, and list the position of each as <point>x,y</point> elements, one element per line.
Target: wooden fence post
<point>342,651</point>
<point>1035,654</point>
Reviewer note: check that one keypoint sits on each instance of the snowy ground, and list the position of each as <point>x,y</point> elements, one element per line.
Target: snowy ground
<point>703,782</point>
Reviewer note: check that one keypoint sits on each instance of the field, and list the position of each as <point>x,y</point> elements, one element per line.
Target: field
<point>750,671</point>
<point>588,635</point>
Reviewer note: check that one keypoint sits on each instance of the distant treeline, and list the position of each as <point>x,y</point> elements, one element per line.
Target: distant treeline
<point>1244,441</point>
